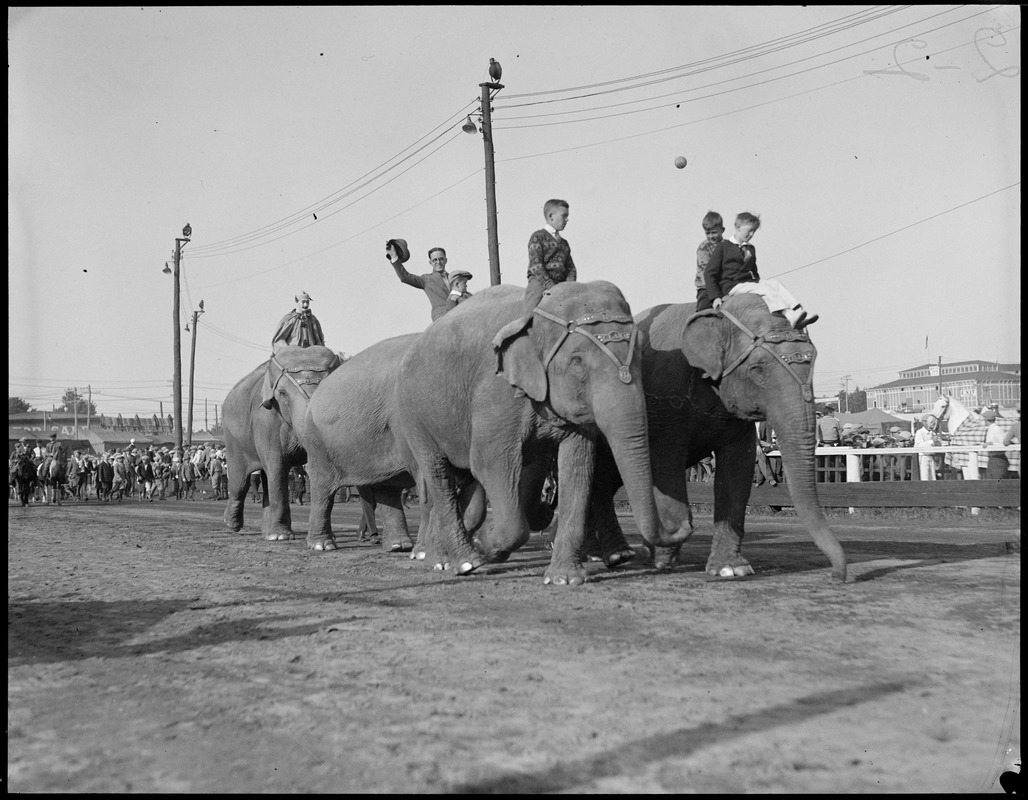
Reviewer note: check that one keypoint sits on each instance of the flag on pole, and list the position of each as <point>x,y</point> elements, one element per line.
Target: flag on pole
<point>926,341</point>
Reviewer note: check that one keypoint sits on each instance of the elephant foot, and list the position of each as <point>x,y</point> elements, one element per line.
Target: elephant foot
<point>320,544</point>
<point>464,567</point>
<point>737,567</point>
<point>397,544</point>
<point>664,557</point>
<point>418,555</point>
<point>279,536</point>
<point>561,575</point>
<point>619,557</point>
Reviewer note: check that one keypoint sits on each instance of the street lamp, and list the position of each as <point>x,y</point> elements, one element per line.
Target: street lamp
<point>187,232</point>
<point>192,364</point>
<point>489,90</point>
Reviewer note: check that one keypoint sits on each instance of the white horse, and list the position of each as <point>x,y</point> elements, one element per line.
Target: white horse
<point>965,428</point>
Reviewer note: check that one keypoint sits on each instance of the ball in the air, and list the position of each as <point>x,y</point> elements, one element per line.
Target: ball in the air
<point>680,162</point>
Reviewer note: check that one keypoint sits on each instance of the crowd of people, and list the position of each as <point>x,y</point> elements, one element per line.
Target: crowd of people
<point>142,473</point>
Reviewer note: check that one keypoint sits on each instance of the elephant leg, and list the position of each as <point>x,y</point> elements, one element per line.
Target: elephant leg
<point>238,482</point>
<point>278,518</point>
<point>576,464</point>
<point>448,541</point>
<point>424,516</point>
<point>733,481</point>
<point>672,498</point>
<point>323,495</point>
<point>604,537</point>
<point>395,537</point>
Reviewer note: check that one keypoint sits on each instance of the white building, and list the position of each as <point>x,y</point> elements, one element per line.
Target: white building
<point>973,383</point>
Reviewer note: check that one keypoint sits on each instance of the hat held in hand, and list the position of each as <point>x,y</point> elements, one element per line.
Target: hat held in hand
<point>400,246</point>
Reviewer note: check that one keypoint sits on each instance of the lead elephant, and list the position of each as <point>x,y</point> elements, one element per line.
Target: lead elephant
<point>569,378</point>
<point>708,377</point>
<point>262,416</point>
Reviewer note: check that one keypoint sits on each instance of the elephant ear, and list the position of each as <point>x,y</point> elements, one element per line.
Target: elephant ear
<point>703,342</point>
<point>271,376</point>
<point>523,368</point>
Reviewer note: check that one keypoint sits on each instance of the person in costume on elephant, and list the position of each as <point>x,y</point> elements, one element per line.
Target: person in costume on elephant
<point>299,327</point>
<point>708,376</point>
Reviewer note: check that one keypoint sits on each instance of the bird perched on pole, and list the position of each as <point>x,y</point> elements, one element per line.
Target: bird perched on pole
<point>495,70</point>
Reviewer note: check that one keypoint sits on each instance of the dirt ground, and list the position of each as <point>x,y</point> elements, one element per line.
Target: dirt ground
<point>150,650</point>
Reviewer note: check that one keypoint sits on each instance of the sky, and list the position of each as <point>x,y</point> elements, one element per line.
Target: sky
<point>880,146</point>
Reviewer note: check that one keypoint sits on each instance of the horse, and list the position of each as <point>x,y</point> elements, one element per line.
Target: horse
<point>52,473</point>
<point>964,428</point>
<point>23,478</point>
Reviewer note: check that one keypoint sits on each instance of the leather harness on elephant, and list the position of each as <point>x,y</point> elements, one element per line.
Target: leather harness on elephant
<point>764,341</point>
<point>599,339</point>
<point>288,373</point>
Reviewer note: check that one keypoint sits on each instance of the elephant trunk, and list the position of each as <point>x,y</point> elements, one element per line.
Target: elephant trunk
<point>796,440</point>
<point>625,428</point>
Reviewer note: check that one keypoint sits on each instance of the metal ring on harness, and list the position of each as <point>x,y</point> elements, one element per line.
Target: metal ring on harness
<point>784,359</point>
<point>600,339</point>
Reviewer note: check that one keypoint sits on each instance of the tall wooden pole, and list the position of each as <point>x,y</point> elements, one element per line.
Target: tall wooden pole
<point>177,345</point>
<point>490,183</point>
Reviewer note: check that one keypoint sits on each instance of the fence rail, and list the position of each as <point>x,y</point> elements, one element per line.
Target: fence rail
<point>888,477</point>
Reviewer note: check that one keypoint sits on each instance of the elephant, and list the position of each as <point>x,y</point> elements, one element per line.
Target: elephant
<point>353,437</point>
<point>262,416</point>
<point>569,377</point>
<point>708,376</point>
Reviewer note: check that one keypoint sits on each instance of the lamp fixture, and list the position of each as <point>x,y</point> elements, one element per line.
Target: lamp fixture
<point>469,126</point>
<point>167,269</point>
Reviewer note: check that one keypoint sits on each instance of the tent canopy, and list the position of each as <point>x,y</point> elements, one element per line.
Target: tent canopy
<point>876,420</point>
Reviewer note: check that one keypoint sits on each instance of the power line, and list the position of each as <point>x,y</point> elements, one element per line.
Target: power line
<point>206,251</point>
<point>898,230</point>
<point>721,93</point>
<point>774,45</point>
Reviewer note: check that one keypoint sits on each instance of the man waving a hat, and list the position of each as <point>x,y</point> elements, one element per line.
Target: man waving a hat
<point>438,285</point>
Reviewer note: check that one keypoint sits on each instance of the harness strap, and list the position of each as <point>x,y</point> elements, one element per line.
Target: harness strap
<point>298,383</point>
<point>600,340</point>
<point>785,360</point>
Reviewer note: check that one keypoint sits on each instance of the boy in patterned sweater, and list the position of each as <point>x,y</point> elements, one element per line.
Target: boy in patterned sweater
<point>549,263</point>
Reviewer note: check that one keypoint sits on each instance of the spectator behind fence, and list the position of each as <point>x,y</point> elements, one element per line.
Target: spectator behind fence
<point>998,463</point>
<point>925,438</point>
<point>828,431</point>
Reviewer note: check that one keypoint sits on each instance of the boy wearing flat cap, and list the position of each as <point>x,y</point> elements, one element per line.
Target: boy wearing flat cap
<point>299,327</point>
<point>458,283</point>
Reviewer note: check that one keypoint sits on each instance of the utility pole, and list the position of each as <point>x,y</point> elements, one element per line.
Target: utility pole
<point>187,232</point>
<point>192,364</point>
<point>89,406</point>
<point>206,426</point>
<point>846,395</point>
<point>489,90</point>
<point>75,408</point>
<point>940,375</point>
